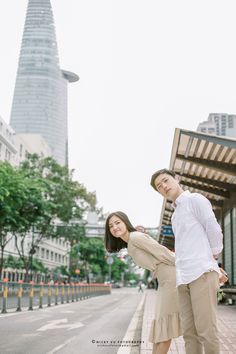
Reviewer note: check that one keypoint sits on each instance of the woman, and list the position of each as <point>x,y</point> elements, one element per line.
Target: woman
<point>149,254</point>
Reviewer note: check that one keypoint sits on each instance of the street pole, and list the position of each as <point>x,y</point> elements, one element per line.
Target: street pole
<point>109,273</point>
<point>32,251</point>
<point>110,260</point>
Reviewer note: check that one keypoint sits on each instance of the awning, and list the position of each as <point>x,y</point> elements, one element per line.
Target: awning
<point>205,164</point>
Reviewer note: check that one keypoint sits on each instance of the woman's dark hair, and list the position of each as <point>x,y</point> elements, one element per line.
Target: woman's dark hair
<point>161,172</point>
<point>114,244</point>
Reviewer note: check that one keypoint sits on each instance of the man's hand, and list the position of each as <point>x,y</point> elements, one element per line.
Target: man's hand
<point>223,277</point>
<point>216,256</point>
<point>141,228</point>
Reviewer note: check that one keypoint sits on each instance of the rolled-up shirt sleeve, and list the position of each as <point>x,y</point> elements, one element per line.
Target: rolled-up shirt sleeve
<point>203,212</point>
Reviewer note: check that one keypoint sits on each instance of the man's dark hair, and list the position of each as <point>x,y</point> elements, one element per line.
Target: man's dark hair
<point>161,172</point>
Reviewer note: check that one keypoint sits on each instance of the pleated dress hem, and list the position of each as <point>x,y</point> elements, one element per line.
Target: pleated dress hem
<point>165,328</point>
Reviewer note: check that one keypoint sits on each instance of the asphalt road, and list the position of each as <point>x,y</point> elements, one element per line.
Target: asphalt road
<point>92,326</point>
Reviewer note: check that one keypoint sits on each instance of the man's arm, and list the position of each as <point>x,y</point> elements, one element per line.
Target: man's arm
<point>203,211</point>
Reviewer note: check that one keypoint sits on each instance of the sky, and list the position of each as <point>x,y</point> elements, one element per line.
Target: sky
<point>145,68</point>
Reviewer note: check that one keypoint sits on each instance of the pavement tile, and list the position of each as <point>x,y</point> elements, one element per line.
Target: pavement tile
<point>226,325</point>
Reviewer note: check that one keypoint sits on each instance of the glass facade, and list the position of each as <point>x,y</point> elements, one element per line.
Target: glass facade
<point>227,246</point>
<point>230,245</point>
<point>40,96</point>
<point>234,243</point>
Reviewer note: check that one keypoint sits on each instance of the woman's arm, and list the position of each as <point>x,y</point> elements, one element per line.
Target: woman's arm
<point>151,246</point>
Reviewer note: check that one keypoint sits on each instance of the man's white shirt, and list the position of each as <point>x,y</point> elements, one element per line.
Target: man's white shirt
<point>198,237</point>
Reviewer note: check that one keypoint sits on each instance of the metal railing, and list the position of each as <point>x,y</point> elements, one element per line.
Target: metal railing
<point>20,295</point>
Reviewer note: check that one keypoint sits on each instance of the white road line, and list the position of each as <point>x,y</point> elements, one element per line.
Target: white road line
<point>53,351</point>
<point>130,333</point>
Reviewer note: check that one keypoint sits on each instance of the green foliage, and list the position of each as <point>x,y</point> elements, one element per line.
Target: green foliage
<point>32,197</point>
<point>60,271</point>
<point>220,295</point>
<point>132,276</point>
<point>38,266</point>
<point>13,196</point>
<point>67,199</point>
<point>89,255</point>
<point>13,262</point>
<point>117,268</point>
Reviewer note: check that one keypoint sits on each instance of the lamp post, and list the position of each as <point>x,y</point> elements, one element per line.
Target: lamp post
<point>31,253</point>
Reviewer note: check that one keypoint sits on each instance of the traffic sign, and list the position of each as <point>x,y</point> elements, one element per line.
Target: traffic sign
<point>167,230</point>
<point>110,260</point>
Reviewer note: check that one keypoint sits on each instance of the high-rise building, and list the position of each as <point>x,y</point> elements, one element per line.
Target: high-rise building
<point>40,96</point>
<point>219,124</point>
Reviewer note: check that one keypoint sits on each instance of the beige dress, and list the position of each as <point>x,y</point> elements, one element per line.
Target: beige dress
<point>149,254</point>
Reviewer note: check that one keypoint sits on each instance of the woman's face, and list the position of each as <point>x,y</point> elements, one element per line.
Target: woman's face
<point>117,227</point>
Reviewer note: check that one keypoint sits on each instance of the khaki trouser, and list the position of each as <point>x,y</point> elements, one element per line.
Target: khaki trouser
<point>198,303</point>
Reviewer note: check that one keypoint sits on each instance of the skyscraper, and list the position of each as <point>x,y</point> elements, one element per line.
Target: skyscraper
<point>40,96</point>
<point>219,124</point>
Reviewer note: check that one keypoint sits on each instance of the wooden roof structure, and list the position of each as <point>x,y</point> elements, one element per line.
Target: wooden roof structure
<point>205,164</point>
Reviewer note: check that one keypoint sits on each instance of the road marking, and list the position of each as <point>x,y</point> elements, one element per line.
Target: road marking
<point>130,333</point>
<point>30,334</point>
<point>53,351</point>
<point>60,323</point>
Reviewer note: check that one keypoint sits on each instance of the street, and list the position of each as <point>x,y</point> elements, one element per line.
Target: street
<point>95,325</point>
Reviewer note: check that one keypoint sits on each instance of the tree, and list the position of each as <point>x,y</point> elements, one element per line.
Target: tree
<point>70,198</point>
<point>90,254</point>
<point>13,262</point>
<point>117,268</point>
<point>14,198</point>
<point>36,197</point>
<point>56,199</point>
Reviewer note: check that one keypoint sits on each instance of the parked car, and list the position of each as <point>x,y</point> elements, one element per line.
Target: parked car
<point>116,285</point>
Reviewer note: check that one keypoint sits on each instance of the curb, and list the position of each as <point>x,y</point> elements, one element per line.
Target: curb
<point>131,330</point>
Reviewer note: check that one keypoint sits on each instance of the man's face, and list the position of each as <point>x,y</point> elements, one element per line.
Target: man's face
<point>168,186</point>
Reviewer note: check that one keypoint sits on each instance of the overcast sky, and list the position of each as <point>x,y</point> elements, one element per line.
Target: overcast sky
<point>145,67</point>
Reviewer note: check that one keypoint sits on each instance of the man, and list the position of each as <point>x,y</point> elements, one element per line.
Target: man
<point>198,243</point>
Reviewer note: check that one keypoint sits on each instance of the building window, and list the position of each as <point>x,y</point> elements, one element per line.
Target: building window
<point>21,150</point>
<point>231,122</point>
<point>7,155</point>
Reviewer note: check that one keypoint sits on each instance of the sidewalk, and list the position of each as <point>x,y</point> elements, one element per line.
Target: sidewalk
<point>226,325</point>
